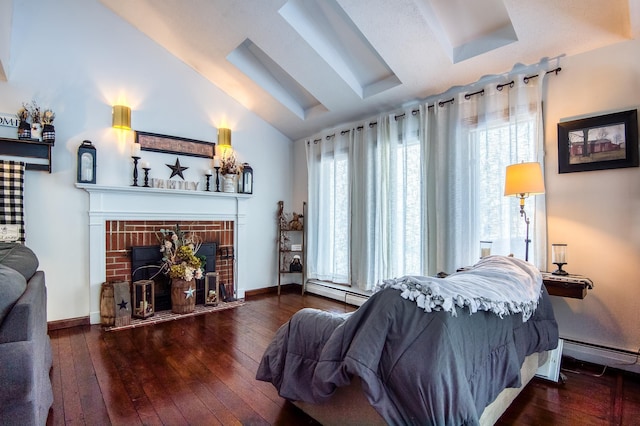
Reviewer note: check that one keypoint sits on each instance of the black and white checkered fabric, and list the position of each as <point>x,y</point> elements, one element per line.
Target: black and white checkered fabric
<point>11,189</point>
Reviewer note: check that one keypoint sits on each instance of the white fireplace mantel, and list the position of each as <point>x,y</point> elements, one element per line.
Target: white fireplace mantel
<point>139,203</point>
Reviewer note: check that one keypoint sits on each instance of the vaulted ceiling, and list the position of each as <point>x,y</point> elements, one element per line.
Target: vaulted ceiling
<point>305,65</point>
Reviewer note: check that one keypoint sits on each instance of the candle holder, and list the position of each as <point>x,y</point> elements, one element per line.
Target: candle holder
<point>559,257</point>
<point>146,176</point>
<point>217,178</point>
<point>208,175</point>
<point>485,248</point>
<point>135,170</point>
<point>559,271</point>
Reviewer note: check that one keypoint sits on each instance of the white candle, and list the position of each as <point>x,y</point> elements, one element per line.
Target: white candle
<point>485,248</point>
<point>135,150</point>
<point>216,161</point>
<point>145,165</point>
<point>208,172</point>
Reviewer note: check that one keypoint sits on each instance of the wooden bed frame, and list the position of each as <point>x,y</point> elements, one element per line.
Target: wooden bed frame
<point>349,405</point>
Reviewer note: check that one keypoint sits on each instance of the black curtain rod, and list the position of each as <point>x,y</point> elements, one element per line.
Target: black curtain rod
<point>449,101</point>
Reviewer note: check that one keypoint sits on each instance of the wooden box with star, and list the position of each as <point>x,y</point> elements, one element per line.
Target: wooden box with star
<point>122,301</point>
<point>143,294</point>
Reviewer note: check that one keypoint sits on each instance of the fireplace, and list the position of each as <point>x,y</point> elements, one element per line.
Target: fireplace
<point>145,263</point>
<point>131,244</point>
<point>118,213</point>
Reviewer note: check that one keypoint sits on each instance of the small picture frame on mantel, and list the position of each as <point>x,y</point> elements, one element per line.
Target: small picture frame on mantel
<point>607,141</point>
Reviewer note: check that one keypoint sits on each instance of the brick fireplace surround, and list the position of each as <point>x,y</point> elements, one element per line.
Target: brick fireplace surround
<point>121,235</point>
<point>120,217</point>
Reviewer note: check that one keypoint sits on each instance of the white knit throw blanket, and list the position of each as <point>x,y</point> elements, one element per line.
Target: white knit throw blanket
<point>499,284</point>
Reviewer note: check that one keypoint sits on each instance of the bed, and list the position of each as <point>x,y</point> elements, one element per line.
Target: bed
<point>421,350</point>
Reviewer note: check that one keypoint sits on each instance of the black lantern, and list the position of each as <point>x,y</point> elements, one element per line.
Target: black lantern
<point>245,185</point>
<point>86,163</point>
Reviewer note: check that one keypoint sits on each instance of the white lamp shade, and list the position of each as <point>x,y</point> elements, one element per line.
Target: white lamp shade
<point>524,178</point>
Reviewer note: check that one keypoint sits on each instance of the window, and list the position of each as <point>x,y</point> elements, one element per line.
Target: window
<point>497,146</point>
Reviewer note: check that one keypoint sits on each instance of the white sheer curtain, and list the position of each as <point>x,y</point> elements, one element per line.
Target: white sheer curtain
<point>476,138</point>
<point>415,192</point>
<point>329,209</point>
<point>398,226</point>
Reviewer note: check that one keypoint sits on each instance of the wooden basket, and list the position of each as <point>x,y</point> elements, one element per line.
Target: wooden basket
<point>183,296</point>
<point>107,305</point>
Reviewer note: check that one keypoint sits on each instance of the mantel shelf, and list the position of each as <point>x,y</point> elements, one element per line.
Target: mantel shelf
<point>158,191</point>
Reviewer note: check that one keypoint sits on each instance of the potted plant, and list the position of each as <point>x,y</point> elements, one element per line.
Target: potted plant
<point>48,131</point>
<point>36,121</point>
<point>229,169</point>
<point>183,267</point>
<point>24,128</point>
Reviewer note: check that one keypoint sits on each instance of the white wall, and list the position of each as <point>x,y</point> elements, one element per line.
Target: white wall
<point>79,59</point>
<point>597,213</point>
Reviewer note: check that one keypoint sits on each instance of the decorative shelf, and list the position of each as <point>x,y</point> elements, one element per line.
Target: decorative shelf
<point>286,252</point>
<point>35,154</point>
<point>573,286</point>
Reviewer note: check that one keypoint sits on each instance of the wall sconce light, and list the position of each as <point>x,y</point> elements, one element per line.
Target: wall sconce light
<point>523,180</point>
<point>121,117</point>
<point>224,137</point>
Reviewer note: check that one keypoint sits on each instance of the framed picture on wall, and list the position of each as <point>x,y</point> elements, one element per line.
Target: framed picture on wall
<point>604,142</point>
<point>174,145</point>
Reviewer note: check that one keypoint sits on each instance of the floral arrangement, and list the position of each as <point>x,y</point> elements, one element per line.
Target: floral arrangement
<point>48,116</point>
<point>179,254</point>
<point>229,165</point>
<point>32,111</point>
<point>23,114</point>
<point>36,116</point>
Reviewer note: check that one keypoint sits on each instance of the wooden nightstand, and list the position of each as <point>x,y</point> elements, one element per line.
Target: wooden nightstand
<point>574,286</point>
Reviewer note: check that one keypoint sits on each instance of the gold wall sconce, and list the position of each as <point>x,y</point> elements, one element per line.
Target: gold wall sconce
<point>121,117</point>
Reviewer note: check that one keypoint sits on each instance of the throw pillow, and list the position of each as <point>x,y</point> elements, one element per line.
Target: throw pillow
<point>20,258</point>
<point>12,285</point>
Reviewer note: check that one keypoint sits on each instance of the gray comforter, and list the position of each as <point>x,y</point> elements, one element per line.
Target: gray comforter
<point>416,367</point>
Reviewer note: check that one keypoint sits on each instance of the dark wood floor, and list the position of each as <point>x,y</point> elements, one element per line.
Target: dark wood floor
<point>200,370</point>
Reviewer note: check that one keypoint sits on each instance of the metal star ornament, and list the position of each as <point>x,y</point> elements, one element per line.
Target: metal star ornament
<point>189,293</point>
<point>177,169</point>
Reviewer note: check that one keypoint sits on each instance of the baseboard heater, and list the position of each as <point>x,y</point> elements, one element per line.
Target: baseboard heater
<point>334,293</point>
<point>603,355</point>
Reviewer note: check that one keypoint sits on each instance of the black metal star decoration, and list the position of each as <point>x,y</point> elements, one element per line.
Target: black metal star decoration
<point>177,169</point>
<point>123,304</point>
